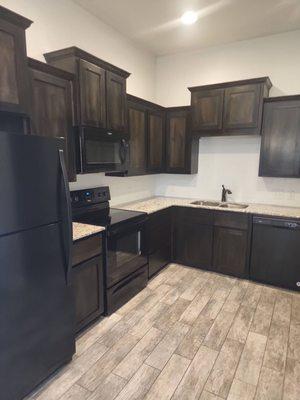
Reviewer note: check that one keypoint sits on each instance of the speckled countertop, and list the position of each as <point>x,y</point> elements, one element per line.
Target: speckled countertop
<point>154,204</point>
<point>82,230</point>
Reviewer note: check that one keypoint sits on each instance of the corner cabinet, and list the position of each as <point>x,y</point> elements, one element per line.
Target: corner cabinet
<point>156,141</point>
<point>100,89</point>
<point>280,146</point>
<point>181,148</point>
<point>137,124</point>
<point>52,107</point>
<point>14,83</point>
<point>231,108</point>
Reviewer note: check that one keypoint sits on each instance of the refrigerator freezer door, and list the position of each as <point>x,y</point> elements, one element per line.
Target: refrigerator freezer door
<point>31,182</point>
<point>37,310</point>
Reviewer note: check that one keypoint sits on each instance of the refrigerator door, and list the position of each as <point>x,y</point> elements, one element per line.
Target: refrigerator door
<point>31,182</point>
<point>36,309</point>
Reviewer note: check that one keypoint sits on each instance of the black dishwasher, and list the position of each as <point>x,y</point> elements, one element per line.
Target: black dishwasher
<point>275,252</point>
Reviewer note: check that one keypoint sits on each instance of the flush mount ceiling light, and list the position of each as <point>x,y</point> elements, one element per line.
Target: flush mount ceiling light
<point>189,17</point>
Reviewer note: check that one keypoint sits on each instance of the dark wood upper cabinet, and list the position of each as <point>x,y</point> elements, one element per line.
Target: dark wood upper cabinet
<point>137,123</point>
<point>156,141</point>
<point>14,78</point>
<point>207,109</point>
<point>52,107</point>
<point>231,108</point>
<point>92,95</point>
<point>181,148</point>
<point>280,147</point>
<point>100,89</point>
<point>116,103</point>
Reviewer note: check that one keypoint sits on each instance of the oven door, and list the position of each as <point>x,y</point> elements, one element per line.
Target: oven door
<point>126,252</point>
<point>102,151</point>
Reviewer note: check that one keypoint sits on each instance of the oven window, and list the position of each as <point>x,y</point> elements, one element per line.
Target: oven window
<point>128,247</point>
<point>101,152</point>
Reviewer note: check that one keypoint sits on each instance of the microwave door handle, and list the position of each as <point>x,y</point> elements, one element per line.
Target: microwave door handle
<point>67,220</point>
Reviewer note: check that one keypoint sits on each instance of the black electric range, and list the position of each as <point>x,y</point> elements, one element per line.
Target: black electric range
<point>125,252</point>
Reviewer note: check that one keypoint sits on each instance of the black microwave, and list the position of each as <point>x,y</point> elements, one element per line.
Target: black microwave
<point>101,151</point>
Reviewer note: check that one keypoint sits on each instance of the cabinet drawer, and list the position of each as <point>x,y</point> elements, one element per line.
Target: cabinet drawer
<point>195,215</point>
<point>86,248</point>
<point>231,220</point>
<point>126,289</point>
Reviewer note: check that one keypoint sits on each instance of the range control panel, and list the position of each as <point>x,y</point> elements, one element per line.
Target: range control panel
<point>81,198</point>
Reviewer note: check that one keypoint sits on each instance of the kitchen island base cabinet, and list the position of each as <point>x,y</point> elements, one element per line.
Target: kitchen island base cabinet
<point>159,228</point>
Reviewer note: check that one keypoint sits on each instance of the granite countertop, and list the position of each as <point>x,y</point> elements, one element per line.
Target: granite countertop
<point>82,230</point>
<point>154,204</point>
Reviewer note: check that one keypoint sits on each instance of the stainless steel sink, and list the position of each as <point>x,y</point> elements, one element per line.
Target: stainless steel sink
<point>206,203</point>
<point>236,206</point>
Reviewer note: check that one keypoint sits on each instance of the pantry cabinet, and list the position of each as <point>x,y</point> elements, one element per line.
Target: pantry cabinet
<point>280,146</point>
<point>52,107</point>
<point>100,89</point>
<point>14,79</point>
<point>231,108</point>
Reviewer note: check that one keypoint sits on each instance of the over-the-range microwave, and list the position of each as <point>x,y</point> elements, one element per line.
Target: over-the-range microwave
<point>100,150</point>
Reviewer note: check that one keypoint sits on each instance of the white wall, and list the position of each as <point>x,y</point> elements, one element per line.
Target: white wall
<point>232,161</point>
<point>62,23</point>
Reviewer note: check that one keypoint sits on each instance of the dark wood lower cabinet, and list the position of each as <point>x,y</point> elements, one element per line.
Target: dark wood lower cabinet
<point>159,235</point>
<point>87,281</point>
<point>193,237</point>
<point>230,251</point>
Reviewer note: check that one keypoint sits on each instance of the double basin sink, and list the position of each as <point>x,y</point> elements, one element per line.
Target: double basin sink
<point>235,206</point>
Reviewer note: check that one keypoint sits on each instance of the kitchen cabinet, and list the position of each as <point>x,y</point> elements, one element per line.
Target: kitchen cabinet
<point>231,108</point>
<point>92,95</point>
<point>88,280</point>
<point>181,148</point>
<point>14,83</point>
<point>159,238</point>
<point>137,123</point>
<point>52,107</point>
<point>156,141</point>
<point>231,244</point>
<point>280,146</point>
<point>193,237</point>
<point>100,89</point>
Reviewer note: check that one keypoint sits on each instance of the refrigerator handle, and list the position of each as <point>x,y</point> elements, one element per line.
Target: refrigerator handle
<point>67,221</point>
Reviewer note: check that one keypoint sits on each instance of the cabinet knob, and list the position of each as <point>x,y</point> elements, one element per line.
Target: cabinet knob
<point>298,284</point>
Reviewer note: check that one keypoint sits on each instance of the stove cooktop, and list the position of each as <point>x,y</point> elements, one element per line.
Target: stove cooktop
<point>111,217</point>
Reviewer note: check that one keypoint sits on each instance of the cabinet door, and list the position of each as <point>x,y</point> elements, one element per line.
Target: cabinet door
<point>14,72</point>
<point>176,140</point>
<point>52,112</point>
<point>280,148</point>
<point>156,141</point>
<point>92,95</point>
<point>159,237</point>
<point>230,251</point>
<point>116,103</point>
<point>87,281</point>
<point>243,105</point>
<point>137,121</point>
<point>207,111</point>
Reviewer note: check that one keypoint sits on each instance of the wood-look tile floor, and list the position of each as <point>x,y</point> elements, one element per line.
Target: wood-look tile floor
<point>189,335</point>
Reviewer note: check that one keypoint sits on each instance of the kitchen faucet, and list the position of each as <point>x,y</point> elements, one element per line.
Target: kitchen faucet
<point>224,193</point>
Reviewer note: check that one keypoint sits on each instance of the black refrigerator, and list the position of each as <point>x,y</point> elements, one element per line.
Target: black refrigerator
<point>37,311</point>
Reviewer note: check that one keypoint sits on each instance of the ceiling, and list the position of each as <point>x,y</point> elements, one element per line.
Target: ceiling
<point>156,25</point>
